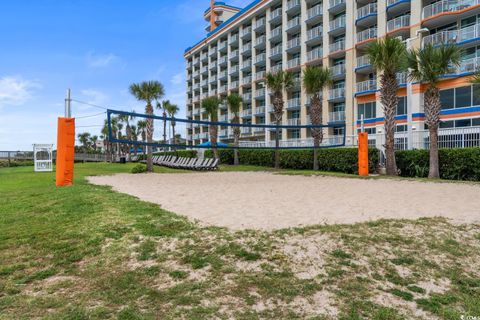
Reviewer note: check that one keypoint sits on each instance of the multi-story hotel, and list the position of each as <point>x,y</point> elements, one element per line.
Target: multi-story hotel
<point>241,45</point>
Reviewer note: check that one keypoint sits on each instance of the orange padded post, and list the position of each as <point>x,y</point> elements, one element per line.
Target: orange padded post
<point>363,154</point>
<point>65,151</point>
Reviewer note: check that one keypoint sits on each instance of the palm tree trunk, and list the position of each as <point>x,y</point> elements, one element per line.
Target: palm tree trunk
<point>213,139</point>
<point>236,141</point>
<point>277,146</point>
<point>149,111</point>
<point>174,138</point>
<point>164,132</point>
<point>434,171</point>
<point>389,99</point>
<point>317,133</point>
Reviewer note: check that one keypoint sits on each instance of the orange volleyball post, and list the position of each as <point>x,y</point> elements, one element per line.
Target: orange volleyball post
<point>65,151</point>
<point>363,154</point>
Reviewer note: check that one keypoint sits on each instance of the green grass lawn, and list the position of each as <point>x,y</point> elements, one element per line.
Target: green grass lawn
<point>86,252</point>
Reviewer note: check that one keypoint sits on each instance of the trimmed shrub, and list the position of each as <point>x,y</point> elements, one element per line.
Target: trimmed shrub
<point>139,168</point>
<point>338,160</point>
<point>455,164</point>
<point>16,163</point>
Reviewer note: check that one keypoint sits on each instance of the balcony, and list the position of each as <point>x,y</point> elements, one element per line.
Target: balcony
<point>234,85</point>
<point>260,110</point>
<point>223,133</point>
<point>212,92</point>
<point>260,75</point>
<point>223,60</point>
<point>315,54</point>
<point>338,46</point>
<point>246,81</point>
<point>260,93</point>
<point>234,55</point>
<point>315,13</point>
<point>246,130</point>
<point>276,15</point>
<point>222,75</point>
<point>233,40</point>
<point>315,35</point>
<point>336,116</point>
<point>204,57</point>
<point>213,79</point>
<point>293,25</point>
<point>447,6</point>
<point>398,23</point>
<point>247,113</point>
<point>366,15</point>
<point>247,49</point>
<point>260,42</point>
<point>234,70</point>
<point>260,24</point>
<point>222,89</point>
<point>260,59</point>
<point>276,51</point>
<point>338,25</point>
<point>293,63</point>
<point>366,87</point>
<point>204,70</point>
<point>337,94</point>
<point>276,68</point>
<point>276,34</point>
<point>293,104</point>
<point>247,65</point>
<point>336,6</point>
<point>223,106</point>
<point>212,66</point>
<point>293,45</point>
<point>222,46</point>
<point>293,6</point>
<point>460,36</point>
<point>247,97</point>
<point>402,78</point>
<point>363,62</point>
<point>294,122</point>
<point>338,71</point>
<point>212,51</point>
<point>246,32</point>
<point>366,35</point>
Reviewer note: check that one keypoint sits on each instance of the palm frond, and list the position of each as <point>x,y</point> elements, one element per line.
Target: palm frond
<point>234,101</point>
<point>387,55</point>
<point>210,105</point>
<point>316,78</point>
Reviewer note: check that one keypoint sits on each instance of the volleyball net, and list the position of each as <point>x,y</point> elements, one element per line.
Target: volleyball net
<point>177,133</point>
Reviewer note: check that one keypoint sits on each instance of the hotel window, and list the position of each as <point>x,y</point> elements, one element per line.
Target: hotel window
<point>368,110</point>
<point>401,128</point>
<point>295,134</point>
<point>368,130</point>
<point>402,106</point>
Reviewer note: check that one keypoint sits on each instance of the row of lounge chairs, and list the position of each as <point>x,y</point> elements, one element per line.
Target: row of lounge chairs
<point>186,163</point>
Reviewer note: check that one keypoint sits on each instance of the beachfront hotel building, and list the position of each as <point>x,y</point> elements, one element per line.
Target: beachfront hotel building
<point>242,44</point>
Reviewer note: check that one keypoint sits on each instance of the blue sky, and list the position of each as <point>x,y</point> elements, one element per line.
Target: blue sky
<point>95,47</point>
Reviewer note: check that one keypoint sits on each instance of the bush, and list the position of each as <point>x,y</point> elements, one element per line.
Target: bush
<point>336,159</point>
<point>455,164</point>
<point>16,163</point>
<point>139,168</point>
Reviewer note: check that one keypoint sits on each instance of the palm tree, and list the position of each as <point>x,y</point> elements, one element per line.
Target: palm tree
<point>388,56</point>
<point>148,91</point>
<point>164,106</point>
<point>234,101</point>
<point>315,79</point>
<point>84,139</point>
<point>172,110</point>
<point>142,128</point>
<point>278,83</point>
<point>105,134</point>
<point>93,142</point>
<point>427,65</point>
<point>211,108</point>
<point>134,132</point>
<point>119,137</point>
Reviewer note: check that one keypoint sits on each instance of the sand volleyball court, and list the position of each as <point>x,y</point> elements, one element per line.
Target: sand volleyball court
<point>261,200</point>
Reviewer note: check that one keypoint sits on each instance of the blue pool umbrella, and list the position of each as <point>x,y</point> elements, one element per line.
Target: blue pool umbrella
<point>209,144</point>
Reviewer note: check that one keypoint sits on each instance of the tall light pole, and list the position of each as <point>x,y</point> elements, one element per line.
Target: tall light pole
<point>410,92</point>
<point>68,100</point>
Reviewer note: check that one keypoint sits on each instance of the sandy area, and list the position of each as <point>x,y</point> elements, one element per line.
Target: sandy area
<point>255,200</point>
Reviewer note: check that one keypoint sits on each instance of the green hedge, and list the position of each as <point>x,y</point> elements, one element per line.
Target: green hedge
<point>16,163</point>
<point>455,164</point>
<point>179,153</point>
<point>338,160</point>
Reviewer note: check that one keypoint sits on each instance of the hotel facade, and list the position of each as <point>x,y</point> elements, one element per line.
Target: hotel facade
<point>243,44</point>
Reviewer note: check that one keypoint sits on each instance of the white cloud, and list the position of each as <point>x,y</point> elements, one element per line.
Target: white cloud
<point>101,60</point>
<point>15,90</point>
<point>94,96</point>
<point>178,79</point>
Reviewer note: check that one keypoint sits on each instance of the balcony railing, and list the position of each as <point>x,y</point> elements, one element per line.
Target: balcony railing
<point>260,58</point>
<point>293,43</point>
<point>234,54</point>
<point>313,33</point>
<point>367,10</point>
<point>222,60</point>
<point>277,68</point>
<point>292,23</point>
<point>398,23</point>
<point>246,130</point>
<point>246,112</point>
<point>213,79</point>
<point>402,78</point>
<point>212,51</point>
<point>294,103</point>
<point>314,11</point>
<point>453,36</point>
<point>260,23</point>
<point>277,50</point>
<point>259,75</point>
<point>337,46</point>
<point>222,74</point>
<point>222,45</point>
<point>247,64</point>
<point>260,93</point>
<point>337,93</point>
<point>363,61</point>
<point>366,86</point>
<point>365,35</point>
<point>260,40</point>
<point>234,85</point>
<point>293,122</point>
<point>315,54</point>
<point>247,80</point>
<point>338,23</point>
<point>336,116</point>
<point>338,70</point>
<point>447,6</point>
<point>276,32</point>
<point>234,69</point>
<point>260,110</point>
<point>222,89</point>
<point>293,4</point>
<point>276,13</point>
<point>292,63</point>
<point>247,96</point>
<point>247,48</point>
<point>334,3</point>
<point>246,31</point>
<point>233,39</point>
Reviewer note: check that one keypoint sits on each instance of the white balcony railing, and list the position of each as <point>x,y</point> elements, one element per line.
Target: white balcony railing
<point>453,36</point>
<point>292,63</point>
<point>398,23</point>
<point>259,75</point>
<point>247,96</point>
<point>314,33</point>
<point>293,122</point>
<point>365,86</point>
<point>260,58</point>
<point>338,23</point>
<point>338,70</point>
<point>367,10</point>
<point>337,46</point>
<point>337,93</point>
<point>315,11</point>
<point>260,23</point>
<point>293,103</point>
<point>291,4</point>
<point>276,68</point>
<point>447,6</point>
<point>276,13</point>
<point>365,35</point>
<point>277,32</point>
<point>234,69</point>
<point>234,85</point>
<point>293,43</point>
<point>336,116</point>
<point>315,54</point>
<point>233,39</point>
<point>334,3</point>
<point>246,112</point>
<point>260,93</point>
<point>292,23</point>
<point>260,40</point>
<point>247,80</point>
<point>247,64</point>
<point>275,51</point>
<point>246,31</point>
<point>260,110</point>
<point>363,61</point>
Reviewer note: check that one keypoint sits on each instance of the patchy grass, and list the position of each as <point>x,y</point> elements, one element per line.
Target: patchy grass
<point>86,252</point>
